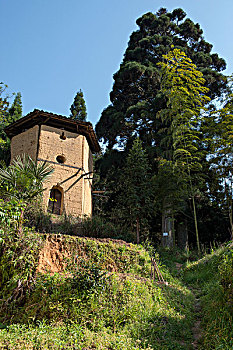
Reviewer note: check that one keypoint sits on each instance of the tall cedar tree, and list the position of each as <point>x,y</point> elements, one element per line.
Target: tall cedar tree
<point>78,108</point>
<point>136,95</point>
<point>134,199</point>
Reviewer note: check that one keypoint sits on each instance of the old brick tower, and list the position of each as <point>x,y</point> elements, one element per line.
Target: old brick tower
<point>65,144</point>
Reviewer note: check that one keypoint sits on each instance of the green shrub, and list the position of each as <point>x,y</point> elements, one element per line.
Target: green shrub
<point>35,216</point>
<point>226,275</point>
<point>88,277</point>
<point>19,247</point>
<point>99,227</point>
<point>68,224</point>
<point>11,213</point>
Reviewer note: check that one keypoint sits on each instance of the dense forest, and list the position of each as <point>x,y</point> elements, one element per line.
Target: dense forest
<point>152,268</point>
<point>171,104</point>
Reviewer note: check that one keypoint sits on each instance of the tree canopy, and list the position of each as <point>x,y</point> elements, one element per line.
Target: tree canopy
<point>136,96</point>
<point>9,113</point>
<point>15,111</point>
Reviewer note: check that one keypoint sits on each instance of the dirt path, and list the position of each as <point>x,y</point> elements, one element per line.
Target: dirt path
<point>197,332</point>
<point>196,329</point>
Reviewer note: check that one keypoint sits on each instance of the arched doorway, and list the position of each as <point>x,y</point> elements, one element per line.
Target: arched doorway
<point>55,201</point>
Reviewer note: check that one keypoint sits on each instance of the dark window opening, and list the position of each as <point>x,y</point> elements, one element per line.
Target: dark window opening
<point>55,199</point>
<point>61,159</point>
<point>63,136</point>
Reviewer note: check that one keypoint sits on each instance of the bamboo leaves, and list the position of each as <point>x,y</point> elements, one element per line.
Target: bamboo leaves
<point>183,87</point>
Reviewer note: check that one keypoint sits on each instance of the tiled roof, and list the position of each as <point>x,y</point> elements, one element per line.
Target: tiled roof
<point>39,117</point>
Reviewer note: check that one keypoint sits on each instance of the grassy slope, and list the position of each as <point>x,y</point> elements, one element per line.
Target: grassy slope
<point>104,300</point>
<point>212,279</point>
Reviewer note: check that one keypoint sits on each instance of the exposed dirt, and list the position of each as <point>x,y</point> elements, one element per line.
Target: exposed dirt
<point>54,254</point>
<point>52,257</point>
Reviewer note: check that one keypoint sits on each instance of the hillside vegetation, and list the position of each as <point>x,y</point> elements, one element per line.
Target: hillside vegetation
<point>212,279</point>
<point>103,298</point>
<point>102,295</point>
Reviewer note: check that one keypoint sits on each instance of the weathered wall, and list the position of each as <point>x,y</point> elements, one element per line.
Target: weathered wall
<point>25,143</point>
<point>88,167</point>
<point>75,149</point>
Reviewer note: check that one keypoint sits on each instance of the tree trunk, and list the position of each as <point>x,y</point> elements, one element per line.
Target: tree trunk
<point>20,222</point>
<point>167,229</point>
<point>138,238</point>
<point>230,211</point>
<point>182,235</point>
<point>228,195</point>
<point>196,227</point>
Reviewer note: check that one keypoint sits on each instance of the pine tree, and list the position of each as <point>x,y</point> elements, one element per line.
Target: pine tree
<point>15,111</point>
<point>4,102</point>
<point>8,114</point>
<point>78,108</point>
<point>134,200</point>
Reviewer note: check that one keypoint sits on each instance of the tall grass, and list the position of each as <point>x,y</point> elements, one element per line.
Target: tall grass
<point>212,276</point>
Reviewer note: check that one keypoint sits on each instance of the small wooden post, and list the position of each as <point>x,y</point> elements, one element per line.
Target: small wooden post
<point>155,268</point>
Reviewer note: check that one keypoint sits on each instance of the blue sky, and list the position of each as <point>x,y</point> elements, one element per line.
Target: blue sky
<point>52,48</point>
